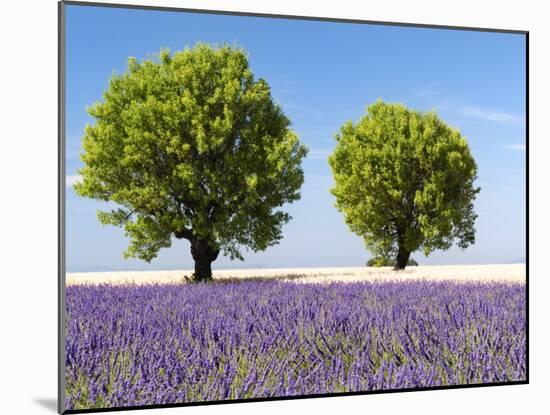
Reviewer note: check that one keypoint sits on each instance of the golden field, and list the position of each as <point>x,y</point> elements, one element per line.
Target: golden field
<point>493,272</point>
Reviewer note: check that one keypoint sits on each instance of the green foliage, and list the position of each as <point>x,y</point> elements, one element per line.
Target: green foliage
<point>388,262</point>
<point>190,144</point>
<point>404,181</point>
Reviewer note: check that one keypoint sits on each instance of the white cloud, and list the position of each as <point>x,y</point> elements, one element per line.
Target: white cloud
<point>291,106</point>
<point>73,179</point>
<point>492,115</point>
<point>517,147</point>
<point>432,94</point>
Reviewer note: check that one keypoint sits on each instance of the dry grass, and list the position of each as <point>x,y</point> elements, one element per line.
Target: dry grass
<point>497,272</point>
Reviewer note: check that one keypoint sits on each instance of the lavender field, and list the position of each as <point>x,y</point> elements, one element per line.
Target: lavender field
<point>172,343</point>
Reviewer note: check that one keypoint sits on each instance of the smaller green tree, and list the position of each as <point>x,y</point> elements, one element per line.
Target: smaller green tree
<point>404,181</point>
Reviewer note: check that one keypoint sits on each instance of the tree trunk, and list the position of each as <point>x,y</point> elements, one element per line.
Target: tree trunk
<point>203,270</point>
<point>204,255</point>
<point>402,258</point>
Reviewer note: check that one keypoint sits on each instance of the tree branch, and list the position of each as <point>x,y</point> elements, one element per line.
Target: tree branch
<point>184,234</point>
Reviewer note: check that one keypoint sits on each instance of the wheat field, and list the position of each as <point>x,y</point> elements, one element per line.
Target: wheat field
<point>493,272</point>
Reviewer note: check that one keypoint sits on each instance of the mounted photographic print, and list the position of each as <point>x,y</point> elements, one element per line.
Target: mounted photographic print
<point>256,207</point>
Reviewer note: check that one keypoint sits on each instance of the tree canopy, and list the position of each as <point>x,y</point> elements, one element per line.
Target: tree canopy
<point>190,145</point>
<point>404,181</point>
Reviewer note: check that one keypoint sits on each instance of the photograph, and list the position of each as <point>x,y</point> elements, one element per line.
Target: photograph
<point>262,207</point>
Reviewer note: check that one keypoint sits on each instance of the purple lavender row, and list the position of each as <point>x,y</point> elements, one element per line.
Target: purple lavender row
<point>160,344</point>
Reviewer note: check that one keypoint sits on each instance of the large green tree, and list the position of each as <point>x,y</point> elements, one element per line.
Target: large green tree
<point>190,145</point>
<point>404,181</point>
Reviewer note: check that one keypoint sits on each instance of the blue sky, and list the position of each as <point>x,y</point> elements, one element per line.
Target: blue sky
<point>322,74</point>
